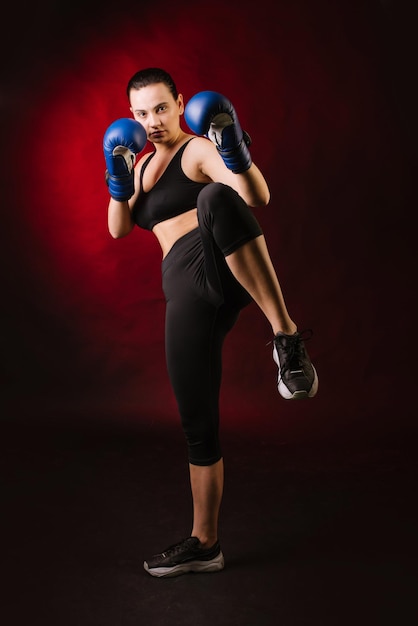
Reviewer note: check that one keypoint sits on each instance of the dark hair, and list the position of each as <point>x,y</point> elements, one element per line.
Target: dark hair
<point>151,76</point>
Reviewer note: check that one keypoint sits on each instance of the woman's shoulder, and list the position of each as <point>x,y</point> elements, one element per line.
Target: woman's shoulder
<point>196,153</point>
<point>144,157</point>
<point>200,148</point>
<point>198,142</point>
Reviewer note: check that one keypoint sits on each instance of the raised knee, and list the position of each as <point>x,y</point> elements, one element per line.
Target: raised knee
<point>216,193</point>
<point>217,198</point>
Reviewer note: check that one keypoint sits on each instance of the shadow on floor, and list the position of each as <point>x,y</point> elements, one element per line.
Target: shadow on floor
<point>312,535</point>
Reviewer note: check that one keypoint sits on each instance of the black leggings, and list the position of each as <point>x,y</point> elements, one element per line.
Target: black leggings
<point>203,303</point>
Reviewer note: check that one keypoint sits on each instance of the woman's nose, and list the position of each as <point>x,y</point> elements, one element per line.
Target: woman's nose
<point>154,120</point>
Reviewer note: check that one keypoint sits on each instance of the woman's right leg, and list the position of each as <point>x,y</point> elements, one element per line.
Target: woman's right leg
<point>194,360</point>
<point>207,483</point>
<point>197,322</point>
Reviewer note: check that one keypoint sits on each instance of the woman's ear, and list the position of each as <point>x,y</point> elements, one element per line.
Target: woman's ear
<point>180,103</point>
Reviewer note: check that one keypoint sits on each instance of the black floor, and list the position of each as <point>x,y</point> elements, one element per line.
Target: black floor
<point>313,534</point>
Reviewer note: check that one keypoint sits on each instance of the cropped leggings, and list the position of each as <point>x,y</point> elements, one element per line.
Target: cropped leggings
<point>203,302</point>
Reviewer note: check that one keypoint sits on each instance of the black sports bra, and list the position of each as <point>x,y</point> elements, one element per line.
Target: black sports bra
<point>173,193</point>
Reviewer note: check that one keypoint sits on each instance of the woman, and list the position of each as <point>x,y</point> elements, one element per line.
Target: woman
<point>194,194</point>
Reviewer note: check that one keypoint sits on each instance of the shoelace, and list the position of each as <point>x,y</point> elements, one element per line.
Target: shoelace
<point>292,346</point>
<point>176,548</point>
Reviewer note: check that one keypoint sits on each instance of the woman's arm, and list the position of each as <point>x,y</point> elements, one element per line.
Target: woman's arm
<point>212,115</point>
<point>122,141</point>
<point>119,218</point>
<point>119,213</point>
<point>251,184</point>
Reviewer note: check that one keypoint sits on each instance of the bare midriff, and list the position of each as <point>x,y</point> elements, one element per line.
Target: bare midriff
<point>169,231</point>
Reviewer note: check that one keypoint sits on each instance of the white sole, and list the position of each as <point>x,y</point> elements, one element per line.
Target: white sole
<point>297,395</point>
<point>215,565</point>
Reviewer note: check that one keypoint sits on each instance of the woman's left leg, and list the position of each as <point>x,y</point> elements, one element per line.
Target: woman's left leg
<point>224,216</point>
<point>226,221</point>
<point>252,267</point>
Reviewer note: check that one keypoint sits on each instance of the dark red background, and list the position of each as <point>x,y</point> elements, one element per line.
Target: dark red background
<point>324,89</point>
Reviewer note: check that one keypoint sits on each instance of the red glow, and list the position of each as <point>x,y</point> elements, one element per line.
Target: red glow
<point>307,92</point>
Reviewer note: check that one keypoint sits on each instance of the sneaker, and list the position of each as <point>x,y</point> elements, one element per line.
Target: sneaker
<point>297,376</point>
<point>186,556</point>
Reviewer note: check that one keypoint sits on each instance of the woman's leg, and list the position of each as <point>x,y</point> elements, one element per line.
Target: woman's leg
<point>194,355</point>
<point>197,322</point>
<point>252,267</point>
<point>207,488</point>
<point>226,220</point>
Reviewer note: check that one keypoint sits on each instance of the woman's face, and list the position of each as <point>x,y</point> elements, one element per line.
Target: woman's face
<point>155,108</point>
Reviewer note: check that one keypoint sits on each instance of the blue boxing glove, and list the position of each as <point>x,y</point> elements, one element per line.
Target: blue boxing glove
<point>211,114</point>
<point>122,141</point>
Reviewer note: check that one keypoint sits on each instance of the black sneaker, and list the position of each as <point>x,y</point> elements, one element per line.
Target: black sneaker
<point>297,376</point>
<point>186,556</point>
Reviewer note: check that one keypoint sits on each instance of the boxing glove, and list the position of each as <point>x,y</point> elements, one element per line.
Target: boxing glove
<point>122,141</point>
<point>211,114</point>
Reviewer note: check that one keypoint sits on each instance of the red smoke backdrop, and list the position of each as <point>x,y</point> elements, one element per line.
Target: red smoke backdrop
<point>321,89</point>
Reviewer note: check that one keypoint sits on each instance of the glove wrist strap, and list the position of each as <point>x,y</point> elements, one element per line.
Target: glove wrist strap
<point>238,159</point>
